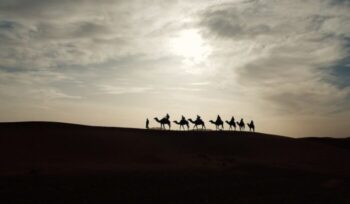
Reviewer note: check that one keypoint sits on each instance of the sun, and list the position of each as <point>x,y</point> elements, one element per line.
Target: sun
<point>190,45</point>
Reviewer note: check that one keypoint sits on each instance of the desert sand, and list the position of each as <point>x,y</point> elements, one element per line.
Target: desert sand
<point>47,162</point>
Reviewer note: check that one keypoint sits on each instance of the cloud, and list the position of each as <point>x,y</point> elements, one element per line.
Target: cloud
<point>51,94</point>
<point>124,89</point>
<point>32,85</point>
<point>296,46</point>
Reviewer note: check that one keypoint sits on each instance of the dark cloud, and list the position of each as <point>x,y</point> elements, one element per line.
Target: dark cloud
<point>341,73</point>
<point>33,8</point>
<point>49,9</point>
<point>255,18</point>
<point>71,31</point>
<point>230,23</point>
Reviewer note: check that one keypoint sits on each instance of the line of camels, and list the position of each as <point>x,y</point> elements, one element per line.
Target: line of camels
<point>219,124</point>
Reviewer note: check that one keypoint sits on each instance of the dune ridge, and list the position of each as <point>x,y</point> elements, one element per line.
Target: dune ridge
<point>62,148</point>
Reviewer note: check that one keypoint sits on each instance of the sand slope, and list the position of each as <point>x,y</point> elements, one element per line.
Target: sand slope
<point>58,148</point>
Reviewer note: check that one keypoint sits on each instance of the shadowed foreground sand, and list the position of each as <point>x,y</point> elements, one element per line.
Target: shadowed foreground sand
<point>44,162</point>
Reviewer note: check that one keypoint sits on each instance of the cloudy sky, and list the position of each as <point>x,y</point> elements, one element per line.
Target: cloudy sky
<point>285,64</point>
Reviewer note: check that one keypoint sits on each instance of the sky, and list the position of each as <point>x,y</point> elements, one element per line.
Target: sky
<point>284,64</point>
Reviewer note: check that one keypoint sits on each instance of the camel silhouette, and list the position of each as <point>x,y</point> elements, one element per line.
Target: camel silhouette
<point>241,125</point>
<point>217,124</point>
<point>231,123</point>
<point>197,122</point>
<point>251,126</point>
<point>182,123</point>
<point>163,122</point>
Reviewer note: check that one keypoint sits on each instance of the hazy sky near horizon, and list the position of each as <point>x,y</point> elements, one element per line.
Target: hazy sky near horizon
<point>285,64</point>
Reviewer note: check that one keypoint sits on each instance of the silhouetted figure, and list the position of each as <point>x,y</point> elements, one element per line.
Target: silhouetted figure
<point>147,124</point>
<point>197,122</point>
<point>164,121</point>
<point>218,118</point>
<point>182,123</point>
<point>167,116</point>
<point>251,126</point>
<point>218,123</point>
<point>241,125</point>
<point>231,123</point>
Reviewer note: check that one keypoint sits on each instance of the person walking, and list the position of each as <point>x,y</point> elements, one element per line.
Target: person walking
<point>147,123</point>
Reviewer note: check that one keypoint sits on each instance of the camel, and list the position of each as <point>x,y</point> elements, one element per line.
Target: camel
<point>231,123</point>
<point>197,122</point>
<point>182,124</point>
<point>241,125</point>
<point>217,124</point>
<point>251,126</point>
<point>163,122</point>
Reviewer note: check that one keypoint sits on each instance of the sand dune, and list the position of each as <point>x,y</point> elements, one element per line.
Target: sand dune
<point>45,162</point>
<point>56,148</point>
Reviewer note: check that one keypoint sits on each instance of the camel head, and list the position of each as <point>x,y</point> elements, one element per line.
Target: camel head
<point>212,121</point>
<point>227,122</point>
<point>156,119</point>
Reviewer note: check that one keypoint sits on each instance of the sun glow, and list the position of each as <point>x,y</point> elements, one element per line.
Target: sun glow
<point>190,44</point>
